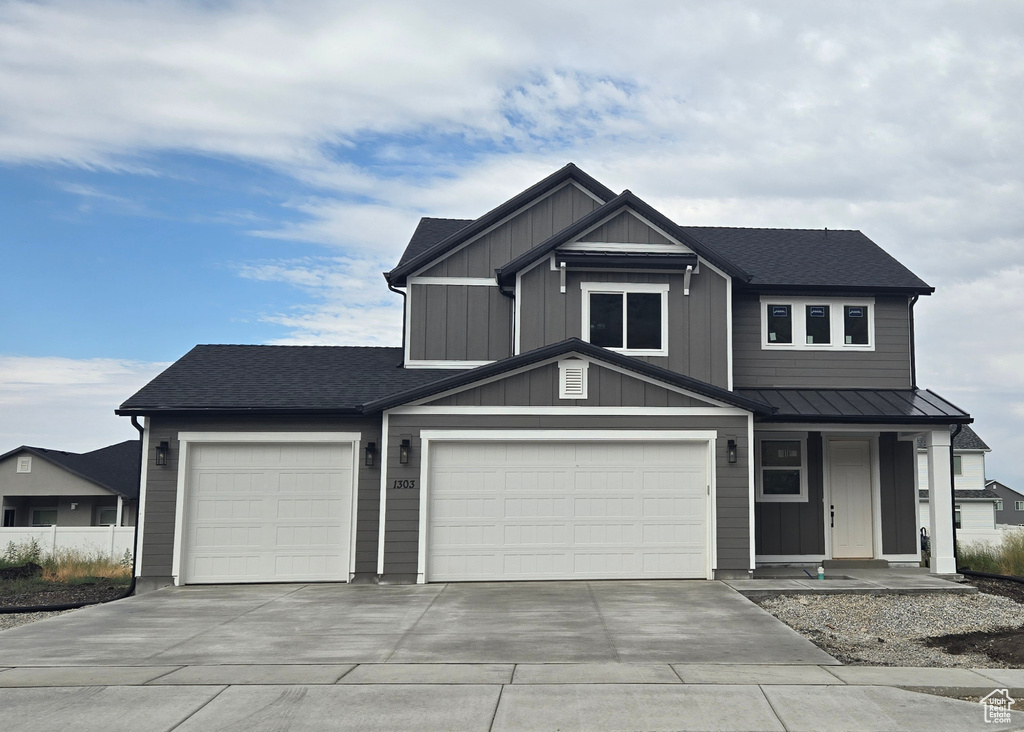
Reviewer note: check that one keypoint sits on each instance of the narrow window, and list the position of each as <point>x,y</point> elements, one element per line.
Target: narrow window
<point>780,324</point>
<point>8,518</point>
<point>999,505</point>
<point>1018,505</point>
<point>643,320</point>
<point>781,461</point>
<point>855,324</point>
<point>606,320</point>
<point>819,329</point>
<point>958,465</point>
<point>956,517</point>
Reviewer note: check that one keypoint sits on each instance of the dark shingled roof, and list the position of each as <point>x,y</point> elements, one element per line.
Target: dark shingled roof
<point>277,379</point>
<point>967,440</point>
<point>774,259</point>
<point>115,467</point>
<point>984,494</point>
<point>429,232</point>
<point>809,258</point>
<point>869,406</point>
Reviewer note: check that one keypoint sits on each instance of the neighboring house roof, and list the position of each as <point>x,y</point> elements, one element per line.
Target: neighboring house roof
<point>983,495</point>
<point>626,200</point>
<point>225,378</point>
<point>995,484</point>
<point>807,259</point>
<point>410,262</point>
<point>967,439</point>
<point>115,467</point>
<point>429,232</point>
<point>872,406</point>
<point>571,345</point>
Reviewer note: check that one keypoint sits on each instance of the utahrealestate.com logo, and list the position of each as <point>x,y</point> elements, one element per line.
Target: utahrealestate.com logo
<point>998,706</point>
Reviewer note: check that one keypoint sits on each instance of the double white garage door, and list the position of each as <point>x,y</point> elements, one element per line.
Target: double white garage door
<point>608,509</point>
<point>493,510</point>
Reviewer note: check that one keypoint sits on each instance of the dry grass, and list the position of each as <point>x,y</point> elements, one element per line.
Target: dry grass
<point>68,566</point>
<point>1006,559</point>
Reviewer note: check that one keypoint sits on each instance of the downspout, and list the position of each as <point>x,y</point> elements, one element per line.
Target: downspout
<point>913,346</point>
<point>952,482</point>
<point>511,331</point>
<point>135,552</point>
<point>405,304</point>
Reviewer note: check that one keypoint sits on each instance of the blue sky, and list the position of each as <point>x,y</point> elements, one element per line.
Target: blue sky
<point>182,173</point>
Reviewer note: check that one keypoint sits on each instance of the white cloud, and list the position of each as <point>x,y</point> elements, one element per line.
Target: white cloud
<point>66,403</point>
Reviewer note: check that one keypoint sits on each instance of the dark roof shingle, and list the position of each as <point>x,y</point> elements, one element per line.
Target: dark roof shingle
<point>967,440</point>
<point>115,467</point>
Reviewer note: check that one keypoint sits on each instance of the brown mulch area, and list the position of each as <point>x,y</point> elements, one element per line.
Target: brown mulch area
<point>58,594</point>
<point>1006,646</point>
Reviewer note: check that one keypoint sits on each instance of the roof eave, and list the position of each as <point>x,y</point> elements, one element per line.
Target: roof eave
<point>176,411</point>
<point>784,289</point>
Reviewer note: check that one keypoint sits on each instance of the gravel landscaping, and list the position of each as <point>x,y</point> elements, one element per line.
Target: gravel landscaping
<point>13,620</point>
<point>894,630</point>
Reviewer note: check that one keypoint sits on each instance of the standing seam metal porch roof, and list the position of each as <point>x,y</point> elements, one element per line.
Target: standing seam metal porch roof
<point>851,406</point>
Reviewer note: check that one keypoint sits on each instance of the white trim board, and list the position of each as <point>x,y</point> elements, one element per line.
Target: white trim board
<point>140,508</point>
<point>185,439</point>
<point>577,411</point>
<point>383,502</point>
<point>453,281</point>
<point>464,365</point>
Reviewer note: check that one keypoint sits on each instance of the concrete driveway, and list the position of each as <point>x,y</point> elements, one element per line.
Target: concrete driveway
<point>535,622</point>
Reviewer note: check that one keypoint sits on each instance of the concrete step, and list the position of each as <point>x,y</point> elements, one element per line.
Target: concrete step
<point>855,564</point>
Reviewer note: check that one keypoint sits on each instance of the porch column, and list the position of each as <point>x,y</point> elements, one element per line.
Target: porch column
<point>940,502</point>
<point>120,510</point>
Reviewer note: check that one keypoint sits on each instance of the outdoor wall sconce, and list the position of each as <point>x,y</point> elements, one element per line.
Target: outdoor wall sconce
<point>371,450</point>
<point>403,452</point>
<point>162,450</point>
<point>732,451</point>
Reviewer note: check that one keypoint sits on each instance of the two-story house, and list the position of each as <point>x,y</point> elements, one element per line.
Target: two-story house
<point>585,389</point>
<point>1009,504</point>
<point>974,511</point>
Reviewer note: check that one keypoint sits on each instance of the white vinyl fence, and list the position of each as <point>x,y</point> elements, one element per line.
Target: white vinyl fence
<point>112,540</point>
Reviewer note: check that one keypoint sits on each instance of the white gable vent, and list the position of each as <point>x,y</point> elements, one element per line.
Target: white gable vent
<point>572,379</point>
<point>25,464</point>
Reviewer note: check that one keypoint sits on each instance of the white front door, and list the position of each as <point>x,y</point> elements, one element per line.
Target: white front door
<point>523,510</point>
<point>850,487</point>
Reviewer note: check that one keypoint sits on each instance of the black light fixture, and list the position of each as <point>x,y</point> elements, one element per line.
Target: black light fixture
<point>371,450</point>
<point>732,451</point>
<point>162,451</point>
<point>403,452</point>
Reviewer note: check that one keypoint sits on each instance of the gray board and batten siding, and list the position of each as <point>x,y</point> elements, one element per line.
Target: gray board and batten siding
<point>524,230</point>
<point>798,528</point>
<point>459,323</point>
<point>697,323</point>
<point>886,367</point>
<point>401,537</point>
<point>162,481</point>
<point>539,387</point>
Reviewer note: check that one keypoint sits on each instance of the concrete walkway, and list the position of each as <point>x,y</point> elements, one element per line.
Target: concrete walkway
<point>889,581</point>
<point>546,656</point>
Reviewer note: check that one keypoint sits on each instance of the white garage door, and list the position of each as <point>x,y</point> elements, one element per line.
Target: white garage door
<point>268,512</point>
<point>567,510</point>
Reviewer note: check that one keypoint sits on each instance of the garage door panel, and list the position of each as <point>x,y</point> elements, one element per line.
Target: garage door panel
<point>268,512</point>
<point>579,510</point>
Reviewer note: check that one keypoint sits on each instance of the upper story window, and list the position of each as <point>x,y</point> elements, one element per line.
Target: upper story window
<point>818,324</point>
<point>627,317</point>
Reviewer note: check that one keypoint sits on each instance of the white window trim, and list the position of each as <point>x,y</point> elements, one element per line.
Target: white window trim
<point>958,462</point>
<point>798,310</point>
<point>25,464</point>
<point>99,514</point>
<point>759,469</point>
<point>999,504</point>
<point>1018,505</point>
<point>621,288</point>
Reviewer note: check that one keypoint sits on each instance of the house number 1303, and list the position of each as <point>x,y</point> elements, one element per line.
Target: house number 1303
<point>406,484</point>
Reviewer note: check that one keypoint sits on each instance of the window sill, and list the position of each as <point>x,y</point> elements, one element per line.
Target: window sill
<point>781,499</point>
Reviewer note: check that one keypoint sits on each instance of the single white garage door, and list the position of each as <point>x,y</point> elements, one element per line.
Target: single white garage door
<point>567,510</point>
<point>268,512</point>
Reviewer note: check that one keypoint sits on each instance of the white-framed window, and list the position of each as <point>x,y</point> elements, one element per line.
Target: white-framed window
<point>628,317</point>
<point>956,517</point>
<point>958,465</point>
<point>818,324</point>
<point>44,516</point>
<point>782,468</point>
<point>106,516</point>
<point>999,505</point>
<point>1018,505</point>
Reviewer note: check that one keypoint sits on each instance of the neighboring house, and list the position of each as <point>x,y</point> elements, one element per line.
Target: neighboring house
<point>41,487</point>
<point>1009,504</point>
<point>585,390</point>
<point>974,513</point>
